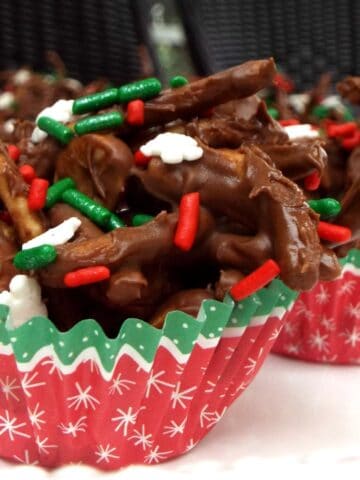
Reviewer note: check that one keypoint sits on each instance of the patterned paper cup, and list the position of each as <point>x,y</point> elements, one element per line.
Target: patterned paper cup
<point>324,324</point>
<point>144,397</point>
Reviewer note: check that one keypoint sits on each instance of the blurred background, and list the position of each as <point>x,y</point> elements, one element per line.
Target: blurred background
<point>126,39</point>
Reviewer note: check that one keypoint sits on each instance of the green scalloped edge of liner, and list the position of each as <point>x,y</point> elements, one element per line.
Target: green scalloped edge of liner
<point>179,328</point>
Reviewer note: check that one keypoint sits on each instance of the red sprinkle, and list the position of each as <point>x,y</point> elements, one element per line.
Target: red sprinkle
<point>14,152</point>
<point>280,81</point>
<point>341,129</point>
<point>85,276</point>
<point>256,280</point>
<point>6,217</point>
<point>37,193</point>
<point>140,159</point>
<point>312,181</point>
<point>333,233</point>
<point>289,122</point>
<point>349,143</point>
<point>27,172</point>
<point>189,212</point>
<point>135,112</point>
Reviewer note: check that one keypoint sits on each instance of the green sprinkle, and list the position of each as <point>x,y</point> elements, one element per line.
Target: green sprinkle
<point>98,122</point>
<point>54,193</point>
<point>34,258</point>
<point>141,219</point>
<point>56,129</point>
<point>95,101</point>
<point>178,81</point>
<point>273,113</point>
<point>326,207</point>
<point>115,222</point>
<point>320,111</point>
<point>96,212</point>
<point>144,89</point>
<point>347,115</point>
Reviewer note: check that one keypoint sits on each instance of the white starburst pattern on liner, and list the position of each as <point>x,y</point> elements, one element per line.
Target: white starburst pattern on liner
<point>8,425</point>
<point>212,386</point>
<point>328,323</point>
<point>26,460</point>
<point>301,309</point>
<point>323,296</point>
<point>28,383</point>
<point>252,363</point>
<point>174,428</point>
<point>328,358</point>
<point>179,369</point>
<point>210,417</point>
<point>141,438</point>
<point>8,386</point>
<point>179,397</point>
<point>53,367</point>
<point>119,384</point>
<point>105,454</point>
<point>354,310</point>
<point>83,397</point>
<point>231,350</point>
<point>352,337</point>
<point>124,419</point>
<point>154,381</point>
<point>74,428</point>
<point>94,367</point>
<point>155,456</point>
<point>347,287</point>
<point>319,342</point>
<point>43,446</point>
<point>274,334</point>
<point>190,445</point>
<point>241,387</point>
<point>292,348</point>
<point>35,417</point>
<point>289,328</point>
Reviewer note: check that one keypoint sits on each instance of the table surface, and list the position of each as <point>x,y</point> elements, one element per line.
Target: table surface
<point>292,412</point>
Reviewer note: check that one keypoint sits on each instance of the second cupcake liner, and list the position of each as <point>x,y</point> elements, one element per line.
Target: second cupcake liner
<point>323,324</point>
<point>144,397</point>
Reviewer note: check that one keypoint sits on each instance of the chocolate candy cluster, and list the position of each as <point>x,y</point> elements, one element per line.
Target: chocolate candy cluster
<point>136,201</point>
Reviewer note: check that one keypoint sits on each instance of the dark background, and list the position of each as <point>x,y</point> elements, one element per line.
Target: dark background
<point>125,39</point>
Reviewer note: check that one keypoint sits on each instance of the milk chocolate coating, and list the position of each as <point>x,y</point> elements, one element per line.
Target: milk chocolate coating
<point>99,165</point>
<point>349,88</point>
<point>8,249</point>
<point>187,301</point>
<point>353,167</point>
<point>350,210</point>
<point>257,196</point>
<point>232,131</point>
<point>42,156</point>
<point>297,160</point>
<point>227,279</point>
<point>196,97</point>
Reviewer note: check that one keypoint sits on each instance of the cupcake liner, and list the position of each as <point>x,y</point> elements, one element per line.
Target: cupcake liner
<point>324,324</point>
<point>144,397</point>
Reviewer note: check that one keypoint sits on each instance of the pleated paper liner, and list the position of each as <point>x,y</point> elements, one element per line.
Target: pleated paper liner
<point>144,397</point>
<point>324,324</point>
